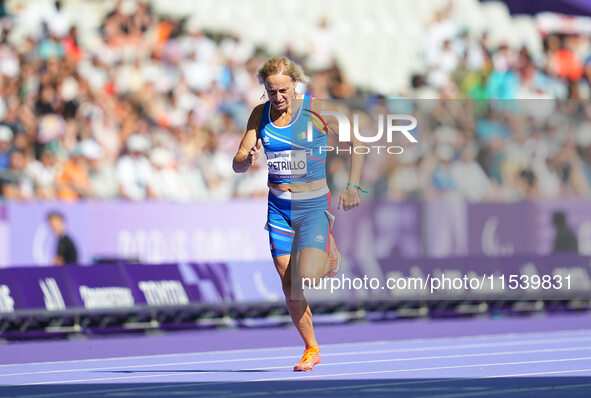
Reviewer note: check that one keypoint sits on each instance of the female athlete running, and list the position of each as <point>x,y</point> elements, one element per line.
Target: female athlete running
<point>299,219</point>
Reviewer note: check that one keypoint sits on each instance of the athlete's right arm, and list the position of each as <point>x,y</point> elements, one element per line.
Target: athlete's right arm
<point>249,148</point>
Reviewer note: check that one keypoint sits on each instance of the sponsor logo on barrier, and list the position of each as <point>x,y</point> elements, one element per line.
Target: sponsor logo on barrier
<point>491,244</point>
<point>164,292</point>
<point>52,296</point>
<point>6,300</point>
<point>158,246</point>
<point>106,297</point>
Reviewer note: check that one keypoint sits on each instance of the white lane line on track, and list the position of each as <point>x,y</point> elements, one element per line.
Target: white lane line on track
<point>348,353</point>
<point>238,351</point>
<point>306,377</point>
<point>190,353</point>
<point>401,342</point>
<point>545,350</point>
<point>168,374</point>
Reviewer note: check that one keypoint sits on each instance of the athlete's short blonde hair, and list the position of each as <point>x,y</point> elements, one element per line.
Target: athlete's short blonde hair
<point>281,66</point>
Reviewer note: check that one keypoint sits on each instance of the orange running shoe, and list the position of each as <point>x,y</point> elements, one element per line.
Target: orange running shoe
<point>335,260</point>
<point>310,358</point>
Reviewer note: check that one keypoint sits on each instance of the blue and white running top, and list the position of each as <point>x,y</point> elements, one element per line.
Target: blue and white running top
<point>292,156</point>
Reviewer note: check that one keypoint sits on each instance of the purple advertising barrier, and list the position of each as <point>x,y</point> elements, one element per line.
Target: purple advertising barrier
<point>578,218</point>
<point>454,228</point>
<point>556,277</point>
<point>152,232</point>
<point>501,229</point>
<point>446,227</point>
<point>212,280</point>
<point>4,237</point>
<point>100,286</point>
<point>379,230</point>
<point>255,281</point>
<point>397,229</point>
<point>159,285</point>
<point>46,288</point>
<point>559,277</point>
<point>167,232</point>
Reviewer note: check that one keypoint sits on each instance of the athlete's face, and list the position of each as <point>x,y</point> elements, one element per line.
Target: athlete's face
<point>280,90</point>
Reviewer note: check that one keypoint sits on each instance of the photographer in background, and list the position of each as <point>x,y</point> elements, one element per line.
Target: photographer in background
<point>66,252</point>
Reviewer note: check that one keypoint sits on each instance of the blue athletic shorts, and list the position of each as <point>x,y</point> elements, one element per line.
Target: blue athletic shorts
<point>295,224</point>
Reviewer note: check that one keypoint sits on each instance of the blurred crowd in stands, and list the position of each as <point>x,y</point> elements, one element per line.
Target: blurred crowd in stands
<point>461,65</point>
<point>157,110</point>
<point>493,150</point>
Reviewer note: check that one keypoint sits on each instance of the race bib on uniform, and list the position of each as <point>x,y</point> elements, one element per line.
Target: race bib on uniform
<point>287,164</point>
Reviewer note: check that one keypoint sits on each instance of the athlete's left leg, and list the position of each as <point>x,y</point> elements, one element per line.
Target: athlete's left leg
<point>316,255</point>
<point>312,244</point>
<point>312,264</point>
<point>305,266</point>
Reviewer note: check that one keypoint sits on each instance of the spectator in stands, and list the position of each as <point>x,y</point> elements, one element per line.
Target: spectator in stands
<point>564,61</point>
<point>322,47</point>
<point>43,173</point>
<point>3,12</point>
<point>503,82</point>
<point>66,252</point>
<point>469,179</point>
<point>71,45</point>
<point>443,179</point>
<point>134,170</point>
<point>15,183</point>
<point>5,146</point>
<point>164,76</point>
<point>167,183</point>
<point>406,180</point>
<point>445,62</point>
<point>51,47</point>
<point>58,23</point>
<point>73,180</point>
<point>103,178</point>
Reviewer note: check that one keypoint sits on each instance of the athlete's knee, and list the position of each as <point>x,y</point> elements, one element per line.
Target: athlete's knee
<point>293,293</point>
<point>310,274</point>
<point>292,288</point>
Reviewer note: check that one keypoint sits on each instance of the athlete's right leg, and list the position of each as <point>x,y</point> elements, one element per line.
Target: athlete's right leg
<point>298,308</point>
<point>281,236</point>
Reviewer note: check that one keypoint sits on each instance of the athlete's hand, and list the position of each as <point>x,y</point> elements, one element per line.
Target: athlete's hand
<point>349,198</point>
<point>253,155</point>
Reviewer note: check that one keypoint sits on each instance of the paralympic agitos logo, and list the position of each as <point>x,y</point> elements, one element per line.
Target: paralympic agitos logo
<point>390,123</point>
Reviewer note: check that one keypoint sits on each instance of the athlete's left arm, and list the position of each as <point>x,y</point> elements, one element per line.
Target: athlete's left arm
<point>350,197</point>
